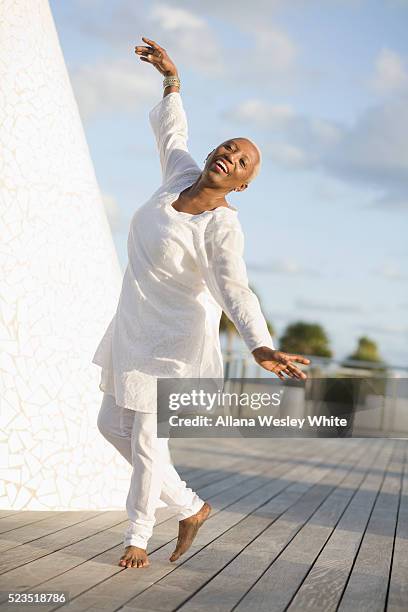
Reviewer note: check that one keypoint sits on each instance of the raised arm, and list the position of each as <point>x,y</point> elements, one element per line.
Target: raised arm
<point>168,118</point>
<point>225,274</point>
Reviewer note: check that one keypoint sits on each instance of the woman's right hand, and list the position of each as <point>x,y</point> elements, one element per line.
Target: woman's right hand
<point>157,56</point>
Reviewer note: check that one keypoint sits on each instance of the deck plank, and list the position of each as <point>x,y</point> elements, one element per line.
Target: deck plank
<point>367,587</point>
<point>297,525</point>
<point>261,535</point>
<point>26,547</point>
<point>398,585</point>
<point>324,585</point>
<point>5,512</point>
<point>94,570</point>
<point>122,586</point>
<point>281,579</point>
<point>32,532</point>
<point>25,517</point>
<point>200,477</point>
<point>45,563</point>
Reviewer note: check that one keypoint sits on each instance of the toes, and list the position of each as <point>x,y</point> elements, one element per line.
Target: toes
<point>133,562</point>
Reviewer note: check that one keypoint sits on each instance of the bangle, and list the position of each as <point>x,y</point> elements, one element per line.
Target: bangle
<point>171,81</point>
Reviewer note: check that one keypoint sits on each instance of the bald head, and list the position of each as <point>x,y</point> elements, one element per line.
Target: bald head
<point>234,163</point>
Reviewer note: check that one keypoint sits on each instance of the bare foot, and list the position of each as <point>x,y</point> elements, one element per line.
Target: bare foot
<point>134,557</point>
<point>188,528</point>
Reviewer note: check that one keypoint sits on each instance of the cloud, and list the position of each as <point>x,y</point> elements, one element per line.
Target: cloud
<point>288,155</point>
<point>173,19</point>
<point>259,112</point>
<point>372,152</point>
<point>273,51</point>
<point>391,74</point>
<point>189,33</point>
<point>328,306</point>
<point>112,86</point>
<point>390,271</point>
<point>189,38</point>
<point>264,56</point>
<point>258,46</point>
<point>297,141</point>
<point>113,212</point>
<point>184,33</point>
<point>285,267</point>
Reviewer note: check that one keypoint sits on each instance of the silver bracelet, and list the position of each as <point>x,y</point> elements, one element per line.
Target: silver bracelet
<point>170,81</point>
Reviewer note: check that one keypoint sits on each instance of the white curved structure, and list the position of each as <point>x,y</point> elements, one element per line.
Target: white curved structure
<point>60,282</point>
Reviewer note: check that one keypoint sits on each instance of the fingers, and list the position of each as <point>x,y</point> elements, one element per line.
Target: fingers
<point>299,358</point>
<point>290,370</point>
<point>151,43</point>
<point>281,376</point>
<point>279,369</point>
<point>141,50</point>
<point>151,59</point>
<point>147,52</point>
<point>296,372</point>
<point>149,55</point>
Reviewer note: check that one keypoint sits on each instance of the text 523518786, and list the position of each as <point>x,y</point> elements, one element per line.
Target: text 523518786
<point>34,598</point>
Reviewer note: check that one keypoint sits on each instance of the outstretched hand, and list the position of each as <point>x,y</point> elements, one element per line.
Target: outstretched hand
<point>280,363</point>
<point>157,56</point>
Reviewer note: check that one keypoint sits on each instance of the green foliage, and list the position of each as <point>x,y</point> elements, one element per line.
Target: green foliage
<point>306,339</point>
<point>367,350</point>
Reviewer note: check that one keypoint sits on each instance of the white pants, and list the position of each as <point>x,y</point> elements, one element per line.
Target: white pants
<point>154,477</point>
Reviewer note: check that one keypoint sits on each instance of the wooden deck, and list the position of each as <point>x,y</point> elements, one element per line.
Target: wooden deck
<point>302,525</point>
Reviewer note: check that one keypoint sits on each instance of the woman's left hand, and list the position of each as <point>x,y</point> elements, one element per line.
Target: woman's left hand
<point>280,363</point>
<point>157,56</point>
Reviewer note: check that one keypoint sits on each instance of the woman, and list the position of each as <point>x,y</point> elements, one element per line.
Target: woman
<point>185,266</point>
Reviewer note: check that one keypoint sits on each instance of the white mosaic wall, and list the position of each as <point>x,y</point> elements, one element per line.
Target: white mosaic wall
<point>60,282</point>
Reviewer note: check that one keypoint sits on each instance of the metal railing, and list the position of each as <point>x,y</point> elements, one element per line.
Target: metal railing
<point>238,364</point>
<point>382,413</point>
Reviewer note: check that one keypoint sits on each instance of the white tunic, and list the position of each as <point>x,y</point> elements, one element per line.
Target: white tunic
<point>182,271</point>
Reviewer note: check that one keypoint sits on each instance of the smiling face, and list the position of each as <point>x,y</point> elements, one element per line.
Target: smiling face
<point>233,163</point>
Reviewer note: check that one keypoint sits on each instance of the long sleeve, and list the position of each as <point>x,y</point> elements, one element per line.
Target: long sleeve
<point>225,274</point>
<point>169,123</point>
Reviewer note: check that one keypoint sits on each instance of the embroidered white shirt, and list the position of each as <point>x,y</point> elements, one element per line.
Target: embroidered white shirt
<point>182,271</point>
